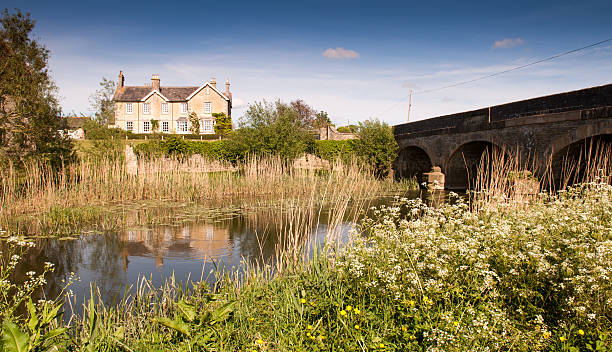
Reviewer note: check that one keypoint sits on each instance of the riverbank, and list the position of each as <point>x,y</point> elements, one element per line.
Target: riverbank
<point>508,277</point>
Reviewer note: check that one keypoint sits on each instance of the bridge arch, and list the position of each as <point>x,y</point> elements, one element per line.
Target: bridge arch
<point>461,168</point>
<point>412,161</point>
<point>579,160</point>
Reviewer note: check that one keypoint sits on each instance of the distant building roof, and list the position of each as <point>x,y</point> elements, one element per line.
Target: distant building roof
<point>75,122</point>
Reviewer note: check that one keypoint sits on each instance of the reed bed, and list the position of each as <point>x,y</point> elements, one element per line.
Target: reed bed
<point>37,189</point>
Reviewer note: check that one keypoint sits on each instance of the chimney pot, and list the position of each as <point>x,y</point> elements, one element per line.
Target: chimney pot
<point>213,82</point>
<point>121,80</point>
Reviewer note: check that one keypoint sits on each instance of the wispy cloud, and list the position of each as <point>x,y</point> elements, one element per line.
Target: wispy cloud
<point>340,53</point>
<point>508,43</point>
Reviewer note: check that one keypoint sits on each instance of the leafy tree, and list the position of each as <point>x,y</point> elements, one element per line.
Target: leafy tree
<point>155,125</point>
<point>30,123</point>
<point>348,129</point>
<point>322,120</point>
<point>102,102</point>
<point>376,146</point>
<point>223,124</point>
<point>305,112</point>
<point>273,129</point>
<point>194,123</point>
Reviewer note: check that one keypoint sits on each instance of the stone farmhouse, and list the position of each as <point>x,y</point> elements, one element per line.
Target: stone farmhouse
<point>137,106</point>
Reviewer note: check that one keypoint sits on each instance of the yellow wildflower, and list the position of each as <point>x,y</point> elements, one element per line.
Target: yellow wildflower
<point>302,301</point>
<point>561,338</point>
<point>251,319</point>
<point>343,312</point>
<point>349,308</point>
<point>580,332</point>
<point>260,341</point>
<point>322,337</point>
<point>357,311</point>
<point>411,303</point>
<point>356,327</point>
<point>546,334</point>
<point>309,327</point>
<point>404,329</point>
<point>455,323</point>
<point>382,345</point>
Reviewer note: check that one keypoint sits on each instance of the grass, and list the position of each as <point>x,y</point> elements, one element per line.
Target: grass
<point>80,194</point>
<point>504,272</point>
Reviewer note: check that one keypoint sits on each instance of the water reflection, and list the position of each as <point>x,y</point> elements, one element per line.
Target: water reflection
<point>191,250</point>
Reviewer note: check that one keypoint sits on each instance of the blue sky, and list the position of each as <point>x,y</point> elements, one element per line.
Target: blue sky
<point>353,59</point>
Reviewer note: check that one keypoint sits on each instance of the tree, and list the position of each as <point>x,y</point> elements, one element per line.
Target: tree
<point>274,129</point>
<point>155,125</point>
<point>376,146</point>
<point>30,117</point>
<point>322,120</point>
<point>223,124</point>
<point>304,111</point>
<point>194,123</point>
<point>102,102</point>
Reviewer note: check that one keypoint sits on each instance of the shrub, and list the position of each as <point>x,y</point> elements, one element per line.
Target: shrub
<point>376,146</point>
<point>334,150</point>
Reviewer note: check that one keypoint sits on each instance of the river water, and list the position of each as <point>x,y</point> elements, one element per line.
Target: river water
<point>192,250</point>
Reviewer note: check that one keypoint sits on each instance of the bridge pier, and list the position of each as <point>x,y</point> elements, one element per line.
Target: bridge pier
<point>434,179</point>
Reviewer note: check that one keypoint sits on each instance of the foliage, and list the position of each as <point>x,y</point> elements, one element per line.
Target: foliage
<point>321,120</point>
<point>334,150</point>
<point>102,102</point>
<point>154,125</point>
<point>194,123</point>
<point>29,112</point>
<point>95,130</point>
<point>415,278</point>
<point>275,129</point>
<point>223,124</point>
<point>42,320</point>
<point>348,129</point>
<point>376,146</point>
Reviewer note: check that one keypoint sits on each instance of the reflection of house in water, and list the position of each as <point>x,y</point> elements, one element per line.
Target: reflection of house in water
<point>192,241</point>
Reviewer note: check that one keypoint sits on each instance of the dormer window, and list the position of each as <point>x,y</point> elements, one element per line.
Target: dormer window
<point>129,108</point>
<point>146,108</point>
<point>184,108</point>
<point>164,108</point>
<point>207,108</point>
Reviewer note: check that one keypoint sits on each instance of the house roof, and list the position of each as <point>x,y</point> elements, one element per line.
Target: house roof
<point>75,122</point>
<point>137,93</point>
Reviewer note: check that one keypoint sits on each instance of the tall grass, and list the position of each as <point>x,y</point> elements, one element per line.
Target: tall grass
<point>37,189</point>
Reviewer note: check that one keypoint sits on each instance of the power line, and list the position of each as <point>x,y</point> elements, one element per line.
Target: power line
<point>497,73</point>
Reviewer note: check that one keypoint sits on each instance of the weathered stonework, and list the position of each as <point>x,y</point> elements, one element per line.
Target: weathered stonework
<point>537,129</point>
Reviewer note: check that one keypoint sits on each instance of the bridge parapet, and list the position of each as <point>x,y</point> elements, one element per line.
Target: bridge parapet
<point>589,99</point>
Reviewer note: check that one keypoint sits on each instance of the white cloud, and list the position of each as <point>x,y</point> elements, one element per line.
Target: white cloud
<point>238,103</point>
<point>340,53</point>
<point>508,43</point>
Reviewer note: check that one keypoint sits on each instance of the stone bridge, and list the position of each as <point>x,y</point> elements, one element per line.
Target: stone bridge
<point>546,130</point>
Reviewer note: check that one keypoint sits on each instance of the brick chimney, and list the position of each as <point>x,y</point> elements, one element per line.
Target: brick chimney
<point>120,81</point>
<point>227,90</point>
<point>213,82</point>
<point>155,81</point>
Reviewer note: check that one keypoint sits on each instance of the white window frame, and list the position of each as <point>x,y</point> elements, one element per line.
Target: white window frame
<point>207,125</point>
<point>164,108</point>
<point>146,108</point>
<point>184,108</point>
<point>207,107</point>
<point>129,126</point>
<point>146,126</point>
<point>180,124</point>
<point>129,108</point>
<point>165,126</point>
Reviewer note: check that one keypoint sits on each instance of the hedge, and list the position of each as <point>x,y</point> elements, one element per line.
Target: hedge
<point>232,151</point>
